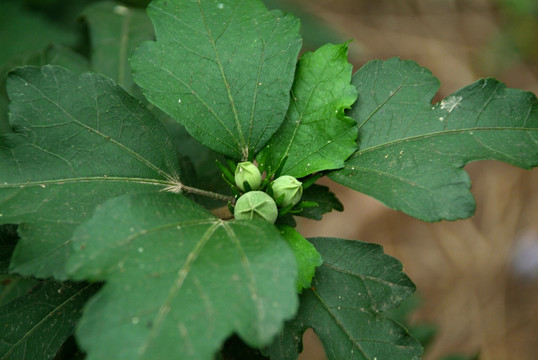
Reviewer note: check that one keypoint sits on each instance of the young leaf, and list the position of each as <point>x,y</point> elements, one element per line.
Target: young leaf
<point>411,153</point>
<point>350,290</point>
<point>316,135</point>
<point>326,202</point>
<point>78,140</point>
<point>305,254</point>
<point>116,31</point>
<point>221,68</point>
<point>35,325</point>
<point>179,280</point>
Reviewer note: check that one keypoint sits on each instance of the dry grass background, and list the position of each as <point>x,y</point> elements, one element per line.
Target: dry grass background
<point>463,270</point>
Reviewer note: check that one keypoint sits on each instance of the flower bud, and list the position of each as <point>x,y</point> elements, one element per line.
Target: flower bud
<point>256,205</point>
<point>247,171</point>
<point>289,187</point>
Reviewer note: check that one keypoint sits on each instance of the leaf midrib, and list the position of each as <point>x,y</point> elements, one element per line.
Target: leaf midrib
<point>440,133</point>
<point>42,183</point>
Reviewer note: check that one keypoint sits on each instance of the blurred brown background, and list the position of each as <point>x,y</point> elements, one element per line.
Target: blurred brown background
<point>475,277</point>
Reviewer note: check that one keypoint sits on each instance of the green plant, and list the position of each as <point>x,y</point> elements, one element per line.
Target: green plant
<point>118,228</point>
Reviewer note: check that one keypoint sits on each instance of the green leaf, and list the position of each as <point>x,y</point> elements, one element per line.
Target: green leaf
<point>79,140</point>
<point>14,286</point>
<point>306,256</point>
<point>179,280</point>
<point>11,286</point>
<point>35,325</point>
<point>54,54</point>
<point>115,32</point>
<point>25,34</point>
<point>316,135</point>
<point>411,153</point>
<point>344,306</point>
<point>222,68</point>
<point>325,199</point>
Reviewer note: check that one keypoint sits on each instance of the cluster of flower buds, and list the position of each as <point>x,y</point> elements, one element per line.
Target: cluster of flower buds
<point>287,192</point>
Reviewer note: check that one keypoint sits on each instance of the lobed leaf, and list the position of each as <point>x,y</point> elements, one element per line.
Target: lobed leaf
<point>326,202</point>
<point>179,280</point>
<point>223,69</point>
<point>344,306</point>
<point>411,153</point>
<point>78,140</point>
<point>316,135</point>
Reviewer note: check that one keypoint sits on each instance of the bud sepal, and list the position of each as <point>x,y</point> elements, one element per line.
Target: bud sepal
<point>247,172</point>
<point>287,190</point>
<point>256,205</point>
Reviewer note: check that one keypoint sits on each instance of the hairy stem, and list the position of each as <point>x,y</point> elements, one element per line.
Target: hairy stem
<point>209,194</point>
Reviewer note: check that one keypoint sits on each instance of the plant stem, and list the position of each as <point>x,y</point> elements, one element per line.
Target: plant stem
<point>210,194</point>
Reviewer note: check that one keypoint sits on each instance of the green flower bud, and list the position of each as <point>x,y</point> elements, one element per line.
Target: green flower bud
<point>247,171</point>
<point>256,205</point>
<point>289,187</point>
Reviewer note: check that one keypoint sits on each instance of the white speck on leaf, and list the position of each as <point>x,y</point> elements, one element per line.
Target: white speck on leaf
<point>179,101</point>
<point>441,118</point>
<point>140,249</point>
<point>220,6</point>
<point>135,320</point>
<point>450,103</point>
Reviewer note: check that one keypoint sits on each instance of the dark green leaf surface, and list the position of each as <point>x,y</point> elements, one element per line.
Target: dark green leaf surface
<point>222,68</point>
<point>325,199</point>
<point>411,153</point>
<point>116,31</point>
<point>78,140</point>
<point>316,135</point>
<point>14,286</point>
<point>54,54</point>
<point>306,256</point>
<point>8,240</point>
<point>35,325</point>
<point>344,306</point>
<point>11,286</point>
<point>24,35</point>
<point>179,280</point>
